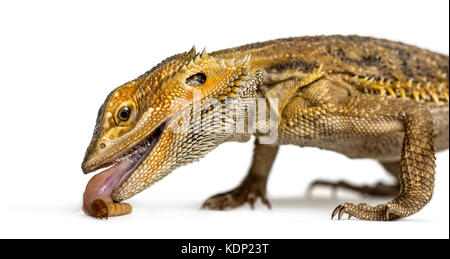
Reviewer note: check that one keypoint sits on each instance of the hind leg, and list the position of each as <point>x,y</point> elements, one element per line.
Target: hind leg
<point>380,189</point>
<point>417,167</point>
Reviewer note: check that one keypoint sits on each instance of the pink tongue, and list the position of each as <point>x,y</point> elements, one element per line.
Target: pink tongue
<point>103,184</point>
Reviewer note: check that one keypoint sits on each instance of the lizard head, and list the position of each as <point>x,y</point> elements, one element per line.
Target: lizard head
<point>149,126</point>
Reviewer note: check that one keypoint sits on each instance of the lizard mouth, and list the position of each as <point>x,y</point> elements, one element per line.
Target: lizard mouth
<point>103,184</point>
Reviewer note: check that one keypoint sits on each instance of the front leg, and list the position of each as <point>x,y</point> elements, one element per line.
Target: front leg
<point>254,184</point>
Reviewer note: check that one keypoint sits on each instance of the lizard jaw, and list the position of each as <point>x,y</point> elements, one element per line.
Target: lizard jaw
<point>102,185</point>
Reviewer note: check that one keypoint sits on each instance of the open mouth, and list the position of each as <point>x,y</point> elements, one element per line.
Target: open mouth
<point>102,185</point>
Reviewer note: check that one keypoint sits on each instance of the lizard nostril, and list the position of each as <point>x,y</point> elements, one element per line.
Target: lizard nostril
<point>102,145</point>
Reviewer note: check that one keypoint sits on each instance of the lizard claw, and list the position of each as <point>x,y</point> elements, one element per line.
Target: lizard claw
<point>335,211</point>
<point>266,202</point>
<point>388,213</point>
<point>339,210</point>
<point>383,212</point>
<point>251,200</point>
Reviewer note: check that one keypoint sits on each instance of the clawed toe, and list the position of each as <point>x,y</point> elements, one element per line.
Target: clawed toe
<point>364,211</point>
<point>340,211</point>
<point>266,202</point>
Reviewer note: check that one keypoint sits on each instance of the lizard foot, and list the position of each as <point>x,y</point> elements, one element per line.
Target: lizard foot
<point>383,212</point>
<point>237,197</point>
<point>380,189</point>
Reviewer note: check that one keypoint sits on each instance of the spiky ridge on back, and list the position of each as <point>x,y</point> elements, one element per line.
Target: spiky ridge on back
<point>429,92</point>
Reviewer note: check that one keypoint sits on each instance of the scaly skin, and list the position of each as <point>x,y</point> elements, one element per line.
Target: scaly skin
<point>362,97</point>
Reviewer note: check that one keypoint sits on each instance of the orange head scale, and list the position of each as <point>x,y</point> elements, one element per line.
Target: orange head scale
<point>164,119</point>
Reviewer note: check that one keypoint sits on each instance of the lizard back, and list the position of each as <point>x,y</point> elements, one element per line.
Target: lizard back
<point>371,66</point>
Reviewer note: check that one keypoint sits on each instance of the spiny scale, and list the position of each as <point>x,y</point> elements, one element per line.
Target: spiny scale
<point>436,92</point>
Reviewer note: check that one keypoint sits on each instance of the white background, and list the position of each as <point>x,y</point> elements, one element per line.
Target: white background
<point>59,60</point>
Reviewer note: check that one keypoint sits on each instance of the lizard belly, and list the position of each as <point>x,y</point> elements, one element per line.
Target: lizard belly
<point>385,147</point>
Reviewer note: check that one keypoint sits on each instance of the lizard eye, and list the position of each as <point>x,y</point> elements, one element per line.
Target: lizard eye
<point>124,113</point>
<point>196,79</point>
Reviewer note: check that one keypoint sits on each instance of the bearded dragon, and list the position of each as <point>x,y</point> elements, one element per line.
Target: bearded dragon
<point>358,96</point>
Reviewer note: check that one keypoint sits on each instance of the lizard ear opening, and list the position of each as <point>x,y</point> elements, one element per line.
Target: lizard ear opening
<point>196,79</point>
